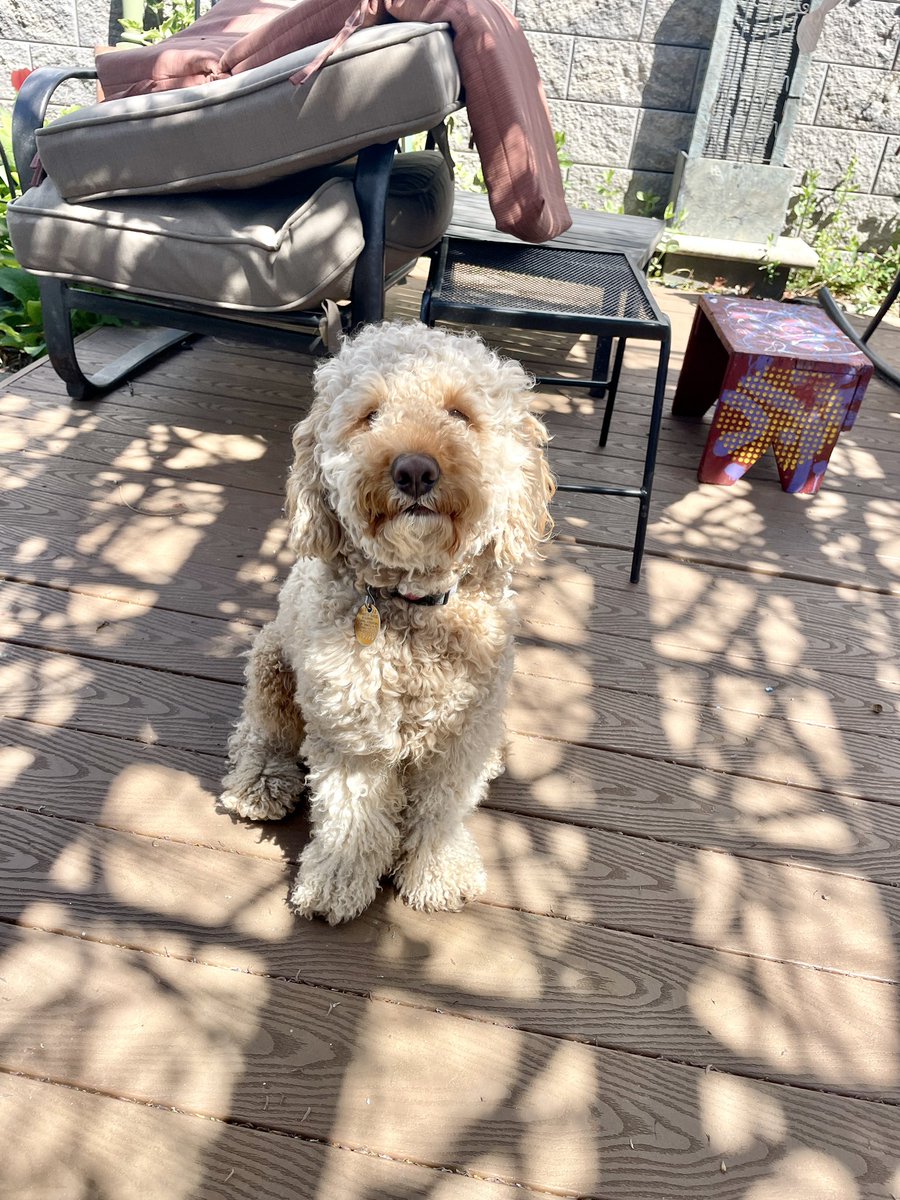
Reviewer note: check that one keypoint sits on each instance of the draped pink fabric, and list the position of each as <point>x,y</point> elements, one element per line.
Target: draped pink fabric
<point>504,95</point>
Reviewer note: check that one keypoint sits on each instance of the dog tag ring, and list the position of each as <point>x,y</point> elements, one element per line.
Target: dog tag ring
<point>367,622</point>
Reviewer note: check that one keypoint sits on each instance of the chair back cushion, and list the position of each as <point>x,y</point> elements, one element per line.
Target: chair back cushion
<point>505,98</point>
<point>386,82</point>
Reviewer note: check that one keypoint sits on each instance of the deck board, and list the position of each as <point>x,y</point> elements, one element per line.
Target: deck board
<point>683,979</point>
<point>501,1097</point>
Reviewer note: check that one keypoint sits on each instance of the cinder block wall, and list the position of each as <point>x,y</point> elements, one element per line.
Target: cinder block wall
<point>622,78</point>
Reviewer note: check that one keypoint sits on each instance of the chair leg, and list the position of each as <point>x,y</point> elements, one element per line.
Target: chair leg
<point>371,183</point>
<point>613,390</point>
<point>602,355</point>
<point>61,347</point>
<point>659,396</point>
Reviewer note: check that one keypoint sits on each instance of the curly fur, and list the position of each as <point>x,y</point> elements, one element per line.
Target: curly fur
<point>400,738</point>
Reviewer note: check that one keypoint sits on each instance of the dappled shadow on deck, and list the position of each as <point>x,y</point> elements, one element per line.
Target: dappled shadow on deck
<point>692,856</point>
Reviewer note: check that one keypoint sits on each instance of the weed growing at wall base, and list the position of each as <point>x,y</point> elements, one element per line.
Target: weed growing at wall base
<point>861,277</point>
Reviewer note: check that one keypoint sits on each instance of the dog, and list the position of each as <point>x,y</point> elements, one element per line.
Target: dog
<point>419,483</point>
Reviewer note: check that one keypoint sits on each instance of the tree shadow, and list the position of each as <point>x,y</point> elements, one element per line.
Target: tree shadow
<point>686,869</point>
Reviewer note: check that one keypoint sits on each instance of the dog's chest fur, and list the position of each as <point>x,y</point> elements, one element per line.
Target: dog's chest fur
<point>429,671</point>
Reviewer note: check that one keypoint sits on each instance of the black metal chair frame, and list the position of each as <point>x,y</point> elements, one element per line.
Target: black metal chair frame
<point>861,341</point>
<point>436,307</point>
<point>179,323</point>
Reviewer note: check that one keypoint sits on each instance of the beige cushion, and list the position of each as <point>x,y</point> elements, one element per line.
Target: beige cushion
<point>387,81</point>
<point>284,246</point>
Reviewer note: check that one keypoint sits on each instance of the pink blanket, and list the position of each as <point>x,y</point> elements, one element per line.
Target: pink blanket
<point>505,99</point>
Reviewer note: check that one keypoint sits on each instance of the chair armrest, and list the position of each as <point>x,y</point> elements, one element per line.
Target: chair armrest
<point>31,109</point>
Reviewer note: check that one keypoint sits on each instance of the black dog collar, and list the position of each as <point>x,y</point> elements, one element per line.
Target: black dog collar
<point>425,601</point>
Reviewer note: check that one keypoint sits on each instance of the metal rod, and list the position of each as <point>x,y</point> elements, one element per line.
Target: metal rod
<point>885,370</point>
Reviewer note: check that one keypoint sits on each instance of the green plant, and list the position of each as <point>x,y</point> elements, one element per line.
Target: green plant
<point>648,203</point>
<point>21,329</point>
<point>167,17</point>
<point>822,217</point>
<point>674,223</point>
<point>611,199</point>
<point>563,156</point>
<point>21,318</point>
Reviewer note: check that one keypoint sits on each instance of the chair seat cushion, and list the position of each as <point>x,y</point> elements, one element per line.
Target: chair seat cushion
<point>284,246</point>
<point>386,82</point>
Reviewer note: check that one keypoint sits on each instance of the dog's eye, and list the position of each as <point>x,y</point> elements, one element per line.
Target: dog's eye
<point>369,418</point>
<point>459,415</point>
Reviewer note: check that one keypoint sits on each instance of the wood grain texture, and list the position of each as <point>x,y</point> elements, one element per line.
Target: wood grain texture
<point>81,1144</point>
<point>120,632</point>
<point>164,792</point>
<point>688,805</point>
<point>683,978</point>
<point>770,1020</point>
<point>715,738</point>
<point>768,909</point>
<point>127,702</point>
<point>518,1106</point>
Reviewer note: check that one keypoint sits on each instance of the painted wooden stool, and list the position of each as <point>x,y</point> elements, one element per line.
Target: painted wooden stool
<point>781,376</point>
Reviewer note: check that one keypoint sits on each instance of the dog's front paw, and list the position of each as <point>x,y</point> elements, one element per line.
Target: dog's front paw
<point>443,880</point>
<point>319,892</point>
<point>266,795</point>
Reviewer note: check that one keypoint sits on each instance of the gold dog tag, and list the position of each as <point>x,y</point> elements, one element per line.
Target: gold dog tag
<point>367,622</point>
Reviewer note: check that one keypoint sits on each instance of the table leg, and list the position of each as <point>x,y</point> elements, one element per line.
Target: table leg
<point>659,396</point>
<point>613,391</point>
<point>602,356</point>
<point>703,370</point>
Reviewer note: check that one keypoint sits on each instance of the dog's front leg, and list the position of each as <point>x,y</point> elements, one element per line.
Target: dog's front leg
<point>355,811</point>
<point>264,779</point>
<point>440,866</point>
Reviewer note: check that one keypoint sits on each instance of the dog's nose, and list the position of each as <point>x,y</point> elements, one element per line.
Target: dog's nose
<point>415,474</point>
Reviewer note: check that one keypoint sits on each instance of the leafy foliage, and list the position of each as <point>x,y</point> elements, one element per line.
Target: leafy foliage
<point>21,318</point>
<point>167,16</point>
<point>859,276</point>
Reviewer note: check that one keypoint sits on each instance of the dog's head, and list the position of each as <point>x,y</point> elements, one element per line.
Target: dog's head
<point>420,454</point>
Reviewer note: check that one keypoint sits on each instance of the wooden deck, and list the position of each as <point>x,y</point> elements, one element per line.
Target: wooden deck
<point>683,980</point>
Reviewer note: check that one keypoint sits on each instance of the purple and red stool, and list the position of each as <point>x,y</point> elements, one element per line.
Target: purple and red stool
<point>782,376</point>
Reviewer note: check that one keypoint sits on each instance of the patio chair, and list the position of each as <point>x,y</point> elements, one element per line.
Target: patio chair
<point>238,207</point>
<point>242,203</point>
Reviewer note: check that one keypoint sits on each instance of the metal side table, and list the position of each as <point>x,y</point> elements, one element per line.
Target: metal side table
<point>596,292</point>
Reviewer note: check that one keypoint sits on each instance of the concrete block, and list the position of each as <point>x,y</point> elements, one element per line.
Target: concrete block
<point>699,79</point>
<point>812,93</point>
<point>875,217</point>
<point>553,55</point>
<point>861,98</point>
<point>829,151</point>
<point>757,269</point>
<point>47,21</point>
<point>865,35</point>
<point>12,56</point>
<point>680,22</point>
<point>887,181</point>
<point>746,202</point>
<point>659,136</point>
<point>595,133</point>
<point>588,18</point>
<point>619,72</point>
<point>98,24</point>
<point>582,183</point>
<point>74,91</point>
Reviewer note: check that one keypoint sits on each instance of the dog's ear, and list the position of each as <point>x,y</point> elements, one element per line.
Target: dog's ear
<point>314,529</point>
<point>528,521</point>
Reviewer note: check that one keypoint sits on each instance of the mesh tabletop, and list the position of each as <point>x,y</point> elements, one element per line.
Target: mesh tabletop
<point>541,279</point>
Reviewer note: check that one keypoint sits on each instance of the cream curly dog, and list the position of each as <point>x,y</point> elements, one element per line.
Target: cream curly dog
<point>419,482</point>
